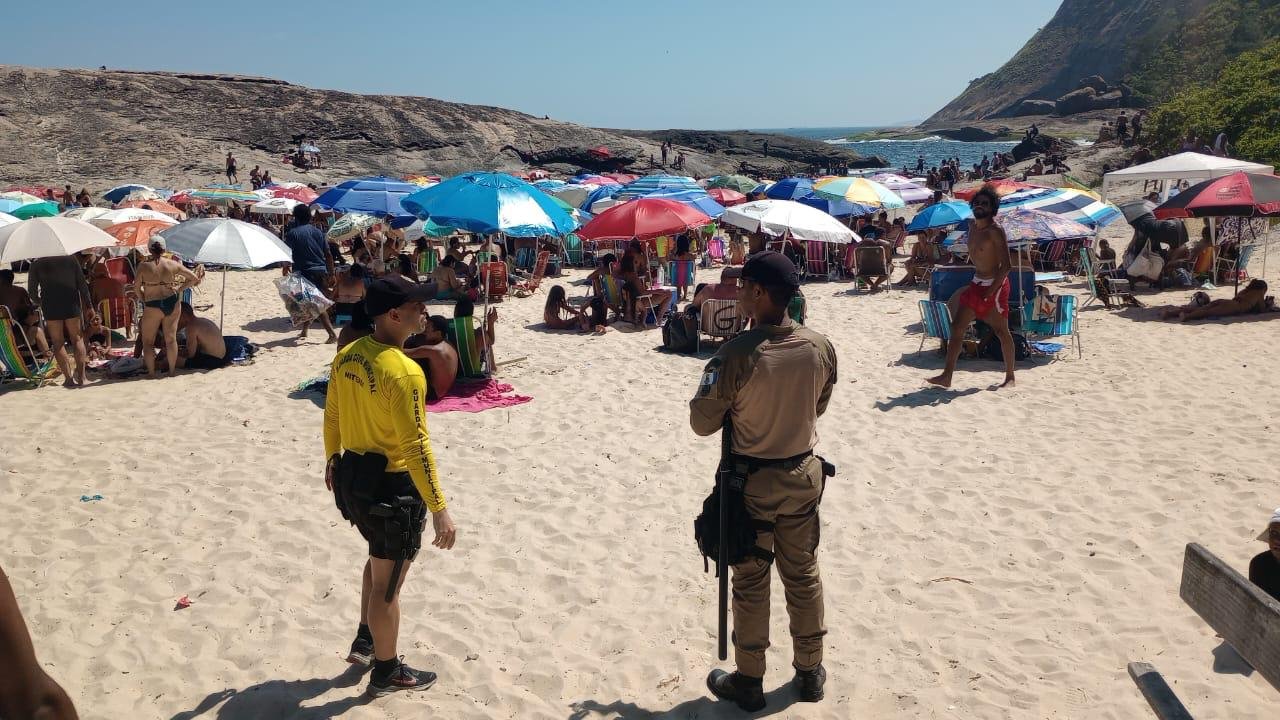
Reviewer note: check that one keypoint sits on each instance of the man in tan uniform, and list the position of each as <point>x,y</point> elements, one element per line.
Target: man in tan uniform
<point>773,382</point>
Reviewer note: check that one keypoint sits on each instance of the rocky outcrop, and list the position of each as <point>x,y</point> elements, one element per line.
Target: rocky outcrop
<point>969,134</point>
<point>1034,107</point>
<point>792,153</point>
<point>1039,145</point>
<point>1090,39</point>
<point>97,128</point>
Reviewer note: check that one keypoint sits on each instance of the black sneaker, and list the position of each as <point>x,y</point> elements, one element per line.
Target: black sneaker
<point>402,678</point>
<point>746,692</point>
<point>361,652</point>
<point>809,684</point>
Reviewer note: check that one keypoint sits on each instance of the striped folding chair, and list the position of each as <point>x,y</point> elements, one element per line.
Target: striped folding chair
<point>428,261</point>
<point>716,249</point>
<point>719,319</point>
<point>1063,322</point>
<point>1054,253</point>
<point>119,313</point>
<point>817,259</point>
<point>935,322</point>
<point>11,360</point>
<point>573,253</point>
<point>471,359</point>
<point>539,270</point>
<point>493,279</point>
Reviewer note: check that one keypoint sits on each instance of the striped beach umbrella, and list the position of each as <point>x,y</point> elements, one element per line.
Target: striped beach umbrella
<point>224,195</point>
<point>159,206</point>
<point>653,183</point>
<point>1071,204</point>
<point>857,189</point>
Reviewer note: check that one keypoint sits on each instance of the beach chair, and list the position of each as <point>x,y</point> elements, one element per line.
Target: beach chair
<point>1230,270</point>
<point>719,319</point>
<point>817,260</point>
<point>871,261</point>
<point>11,359</point>
<point>471,357</point>
<point>611,292</point>
<point>716,249</point>
<point>493,279</point>
<point>798,308</point>
<point>1053,254</point>
<point>119,313</point>
<point>118,268</point>
<point>1063,322</point>
<point>935,322</point>
<point>573,253</point>
<point>428,261</point>
<point>1115,286</point>
<point>530,286</point>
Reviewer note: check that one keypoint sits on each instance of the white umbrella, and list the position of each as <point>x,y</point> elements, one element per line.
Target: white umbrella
<point>85,213</point>
<point>7,219</point>
<point>123,215</point>
<point>49,237</point>
<point>275,206</point>
<point>226,242</point>
<point>143,194</point>
<point>786,217</point>
<point>575,195</point>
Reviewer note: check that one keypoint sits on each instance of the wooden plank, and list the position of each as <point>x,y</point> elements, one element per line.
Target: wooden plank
<point>1244,615</point>
<point>1157,692</point>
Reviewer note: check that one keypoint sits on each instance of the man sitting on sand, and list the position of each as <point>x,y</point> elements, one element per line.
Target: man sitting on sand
<point>1264,569</point>
<point>987,297</point>
<point>206,349</point>
<point>437,358</point>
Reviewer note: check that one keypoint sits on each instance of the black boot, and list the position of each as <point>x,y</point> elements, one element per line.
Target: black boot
<point>809,684</point>
<point>746,692</point>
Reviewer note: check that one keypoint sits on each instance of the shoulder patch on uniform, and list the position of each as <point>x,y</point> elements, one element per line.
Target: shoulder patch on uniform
<point>710,376</point>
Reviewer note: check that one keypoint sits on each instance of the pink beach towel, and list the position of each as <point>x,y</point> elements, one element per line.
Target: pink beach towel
<point>476,397</point>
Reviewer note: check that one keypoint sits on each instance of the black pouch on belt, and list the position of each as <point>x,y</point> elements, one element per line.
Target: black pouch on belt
<point>356,476</point>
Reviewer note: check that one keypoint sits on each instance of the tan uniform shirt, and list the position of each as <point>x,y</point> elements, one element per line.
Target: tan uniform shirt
<point>774,381</point>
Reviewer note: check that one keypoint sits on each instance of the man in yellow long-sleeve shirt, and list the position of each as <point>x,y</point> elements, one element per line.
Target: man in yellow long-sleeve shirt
<point>382,471</point>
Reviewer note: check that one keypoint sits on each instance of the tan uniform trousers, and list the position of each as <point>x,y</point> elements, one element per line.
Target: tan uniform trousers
<point>787,497</point>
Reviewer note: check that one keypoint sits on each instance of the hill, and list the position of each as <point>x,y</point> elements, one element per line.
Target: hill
<point>97,127</point>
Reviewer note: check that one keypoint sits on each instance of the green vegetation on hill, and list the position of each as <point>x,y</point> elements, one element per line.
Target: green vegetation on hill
<point>1244,101</point>
<point>1197,49</point>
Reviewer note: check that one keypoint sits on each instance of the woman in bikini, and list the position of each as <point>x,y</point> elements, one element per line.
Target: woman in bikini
<point>160,283</point>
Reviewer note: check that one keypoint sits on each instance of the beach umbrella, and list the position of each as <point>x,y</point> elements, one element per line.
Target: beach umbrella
<point>219,195</point>
<point>1067,202</point>
<point>741,183</point>
<point>546,184</point>
<point>142,194</point>
<point>1022,226</point>
<point>41,209</point>
<point>21,197</point>
<point>787,217</point>
<point>302,194</point>
<point>422,180</point>
<point>136,233</point>
<point>184,197</point>
<point>592,179</point>
<point>85,213</point>
<point>159,206</point>
<point>1135,209</point>
<point>857,189</point>
<point>1236,195</point>
<point>575,195</point>
<point>653,183</point>
<point>49,237</point>
<point>226,242</point>
<point>350,225</point>
<point>275,206</point>
<point>600,192</point>
<point>7,219</point>
<point>643,218</point>
<point>487,202</point>
<point>119,192</point>
<point>377,195</point>
<point>835,208</point>
<point>426,228</point>
<point>727,196</point>
<point>697,199</point>
<point>1004,186</point>
<point>620,178</point>
<point>940,215</point>
<point>792,188</point>
<point>39,191</point>
<point>115,217</point>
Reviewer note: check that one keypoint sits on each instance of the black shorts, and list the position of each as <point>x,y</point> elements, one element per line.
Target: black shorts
<point>365,500</point>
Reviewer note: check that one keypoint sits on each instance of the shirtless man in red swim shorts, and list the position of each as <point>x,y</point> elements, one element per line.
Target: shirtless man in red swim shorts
<point>987,298</point>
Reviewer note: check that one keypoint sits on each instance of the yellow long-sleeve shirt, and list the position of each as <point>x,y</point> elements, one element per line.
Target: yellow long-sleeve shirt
<point>377,403</point>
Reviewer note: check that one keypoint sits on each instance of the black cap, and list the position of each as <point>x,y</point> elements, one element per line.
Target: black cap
<point>771,269</point>
<point>391,292</point>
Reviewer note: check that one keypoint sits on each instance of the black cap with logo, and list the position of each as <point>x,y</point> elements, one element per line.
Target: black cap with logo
<point>391,292</point>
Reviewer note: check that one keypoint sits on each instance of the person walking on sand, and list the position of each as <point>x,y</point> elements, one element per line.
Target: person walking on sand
<point>232,177</point>
<point>382,471</point>
<point>766,387</point>
<point>987,297</point>
<point>312,259</point>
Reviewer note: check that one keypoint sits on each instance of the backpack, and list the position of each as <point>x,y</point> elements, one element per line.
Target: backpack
<point>990,349</point>
<point>680,334</point>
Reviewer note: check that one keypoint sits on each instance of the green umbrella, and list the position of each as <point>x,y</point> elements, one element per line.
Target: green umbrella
<point>350,225</point>
<point>741,183</point>
<point>33,210</point>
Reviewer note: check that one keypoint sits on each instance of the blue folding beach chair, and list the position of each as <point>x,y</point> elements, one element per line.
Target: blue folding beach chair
<point>935,321</point>
<point>1063,321</point>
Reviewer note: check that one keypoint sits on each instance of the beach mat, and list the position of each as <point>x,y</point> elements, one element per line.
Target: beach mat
<point>464,396</point>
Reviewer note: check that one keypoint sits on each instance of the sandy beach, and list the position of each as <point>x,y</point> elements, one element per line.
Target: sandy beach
<point>985,554</point>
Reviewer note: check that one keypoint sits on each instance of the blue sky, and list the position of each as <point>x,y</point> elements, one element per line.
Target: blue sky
<point>643,65</point>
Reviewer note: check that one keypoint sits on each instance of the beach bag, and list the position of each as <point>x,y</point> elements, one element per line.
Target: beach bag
<point>680,334</point>
<point>303,301</point>
<point>991,350</point>
<point>1146,265</point>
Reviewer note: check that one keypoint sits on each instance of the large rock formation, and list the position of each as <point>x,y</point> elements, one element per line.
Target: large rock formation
<point>97,128</point>
<point>1105,38</point>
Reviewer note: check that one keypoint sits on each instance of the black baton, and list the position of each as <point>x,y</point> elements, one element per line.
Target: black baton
<point>722,559</point>
<point>395,578</point>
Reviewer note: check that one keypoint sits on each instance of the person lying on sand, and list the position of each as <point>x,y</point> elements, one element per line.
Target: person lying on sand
<point>1253,299</point>
<point>437,358</point>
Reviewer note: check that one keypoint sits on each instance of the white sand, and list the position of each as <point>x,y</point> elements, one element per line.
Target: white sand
<point>576,590</point>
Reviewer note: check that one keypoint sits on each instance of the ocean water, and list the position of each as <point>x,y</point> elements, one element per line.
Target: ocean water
<point>901,152</point>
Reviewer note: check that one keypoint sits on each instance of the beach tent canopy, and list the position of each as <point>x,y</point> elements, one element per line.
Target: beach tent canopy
<point>1185,166</point>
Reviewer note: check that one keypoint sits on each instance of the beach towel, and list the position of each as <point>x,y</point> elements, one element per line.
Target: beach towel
<point>477,397</point>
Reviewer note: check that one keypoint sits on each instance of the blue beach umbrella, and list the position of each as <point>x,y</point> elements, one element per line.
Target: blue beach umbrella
<point>834,208</point>
<point>378,196</point>
<point>792,188</point>
<point>600,193</point>
<point>485,202</point>
<point>653,183</point>
<point>118,193</point>
<point>940,215</point>
<point>698,199</point>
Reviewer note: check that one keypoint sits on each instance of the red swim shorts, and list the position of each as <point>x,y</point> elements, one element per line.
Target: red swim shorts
<point>975,298</point>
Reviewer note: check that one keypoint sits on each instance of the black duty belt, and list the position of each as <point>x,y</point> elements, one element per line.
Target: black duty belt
<point>755,463</point>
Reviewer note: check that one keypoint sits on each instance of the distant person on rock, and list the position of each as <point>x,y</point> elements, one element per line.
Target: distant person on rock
<point>1137,124</point>
<point>1122,127</point>
<point>255,177</point>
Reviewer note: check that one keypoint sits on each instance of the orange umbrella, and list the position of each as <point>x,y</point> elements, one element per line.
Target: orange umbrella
<point>1006,186</point>
<point>136,233</point>
<point>159,206</point>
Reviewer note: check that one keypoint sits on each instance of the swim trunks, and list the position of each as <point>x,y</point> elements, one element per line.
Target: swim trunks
<point>975,298</point>
<point>205,361</point>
